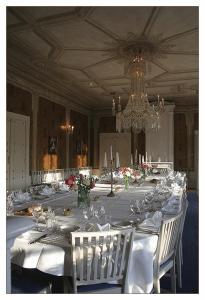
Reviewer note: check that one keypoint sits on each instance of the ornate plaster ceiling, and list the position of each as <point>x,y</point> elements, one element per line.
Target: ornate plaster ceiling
<point>79,48</point>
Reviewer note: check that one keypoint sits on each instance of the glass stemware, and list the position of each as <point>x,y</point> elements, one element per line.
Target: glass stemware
<point>50,219</point>
<point>36,212</point>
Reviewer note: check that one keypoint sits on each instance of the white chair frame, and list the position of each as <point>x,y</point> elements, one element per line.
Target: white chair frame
<point>87,262</point>
<point>166,251</point>
<point>179,253</point>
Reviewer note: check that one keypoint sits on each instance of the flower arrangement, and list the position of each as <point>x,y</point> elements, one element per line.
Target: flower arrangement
<point>71,181</point>
<point>126,172</point>
<point>144,168</point>
<point>85,182</point>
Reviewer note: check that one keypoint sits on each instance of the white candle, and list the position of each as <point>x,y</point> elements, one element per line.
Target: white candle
<point>111,152</point>
<point>131,160</point>
<point>105,161</point>
<point>146,157</point>
<point>142,158</point>
<point>117,160</point>
<point>159,159</point>
<point>150,158</point>
<point>136,156</point>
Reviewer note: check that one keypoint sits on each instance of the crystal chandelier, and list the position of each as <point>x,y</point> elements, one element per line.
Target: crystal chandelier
<point>138,113</point>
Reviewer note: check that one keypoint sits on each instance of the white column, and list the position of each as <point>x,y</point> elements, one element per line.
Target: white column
<point>161,143</point>
<point>96,142</point>
<point>67,121</point>
<point>170,156</point>
<point>89,123</point>
<point>35,104</point>
<point>190,125</point>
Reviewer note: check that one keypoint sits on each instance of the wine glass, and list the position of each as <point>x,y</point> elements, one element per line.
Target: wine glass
<point>50,219</point>
<point>101,214</point>
<point>133,207</point>
<point>36,212</point>
<point>85,213</point>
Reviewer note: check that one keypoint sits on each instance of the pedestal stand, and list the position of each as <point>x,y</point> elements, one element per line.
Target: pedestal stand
<point>111,194</point>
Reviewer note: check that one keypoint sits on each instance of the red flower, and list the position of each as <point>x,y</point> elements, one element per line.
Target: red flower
<point>70,180</point>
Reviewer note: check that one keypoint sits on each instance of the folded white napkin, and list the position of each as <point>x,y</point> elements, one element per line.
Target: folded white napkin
<point>152,223</point>
<point>172,206</point>
<point>47,191</point>
<point>64,187</point>
<point>31,235</point>
<point>22,197</point>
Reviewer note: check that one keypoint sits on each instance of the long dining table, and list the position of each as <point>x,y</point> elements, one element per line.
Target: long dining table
<point>52,253</point>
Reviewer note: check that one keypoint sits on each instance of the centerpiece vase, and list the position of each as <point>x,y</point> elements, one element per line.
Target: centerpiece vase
<point>126,179</point>
<point>83,197</point>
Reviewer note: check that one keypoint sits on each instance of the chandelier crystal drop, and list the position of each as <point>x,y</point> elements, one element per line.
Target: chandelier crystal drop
<point>138,113</point>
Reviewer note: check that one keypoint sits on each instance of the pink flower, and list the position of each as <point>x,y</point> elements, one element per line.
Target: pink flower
<point>70,181</point>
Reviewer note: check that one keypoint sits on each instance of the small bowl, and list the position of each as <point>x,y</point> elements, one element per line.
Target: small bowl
<point>66,211</point>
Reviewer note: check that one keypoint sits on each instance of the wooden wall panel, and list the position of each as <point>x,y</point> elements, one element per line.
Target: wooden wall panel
<point>19,101</point>
<point>107,125</point>
<point>50,117</point>
<point>180,142</point>
<point>78,154</point>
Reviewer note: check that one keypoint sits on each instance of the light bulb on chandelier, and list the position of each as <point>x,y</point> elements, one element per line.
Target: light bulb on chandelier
<point>68,128</point>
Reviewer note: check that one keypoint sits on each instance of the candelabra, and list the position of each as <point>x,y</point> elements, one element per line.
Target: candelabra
<point>111,194</point>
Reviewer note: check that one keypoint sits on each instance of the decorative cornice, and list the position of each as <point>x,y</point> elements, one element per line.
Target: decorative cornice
<point>42,91</point>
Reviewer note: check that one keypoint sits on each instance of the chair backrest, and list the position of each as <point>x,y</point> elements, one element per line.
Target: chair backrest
<point>168,239</point>
<point>99,257</point>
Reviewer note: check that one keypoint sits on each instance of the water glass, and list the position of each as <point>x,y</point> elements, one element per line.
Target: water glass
<point>50,219</point>
<point>36,212</point>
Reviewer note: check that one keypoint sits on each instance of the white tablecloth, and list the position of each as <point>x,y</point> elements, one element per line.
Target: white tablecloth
<point>55,259</point>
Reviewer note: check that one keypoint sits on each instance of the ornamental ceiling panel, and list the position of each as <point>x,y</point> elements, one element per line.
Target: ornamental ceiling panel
<point>177,76</point>
<point>117,81</point>
<point>34,41</point>
<point>79,34</point>
<point>12,19</point>
<point>76,74</point>
<point>174,82</point>
<point>175,62</point>
<point>84,50</point>
<point>81,59</point>
<point>153,70</point>
<point>174,20</point>
<point>108,69</point>
<point>187,43</point>
<point>48,11</point>
<point>122,20</point>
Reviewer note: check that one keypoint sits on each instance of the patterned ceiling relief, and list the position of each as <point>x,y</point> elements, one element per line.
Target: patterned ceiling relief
<point>84,50</point>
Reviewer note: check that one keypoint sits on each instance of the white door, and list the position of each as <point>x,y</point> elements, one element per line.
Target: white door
<point>17,175</point>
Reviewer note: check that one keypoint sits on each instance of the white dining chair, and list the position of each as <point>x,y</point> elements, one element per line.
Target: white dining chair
<point>179,253</point>
<point>164,260</point>
<point>99,258</point>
